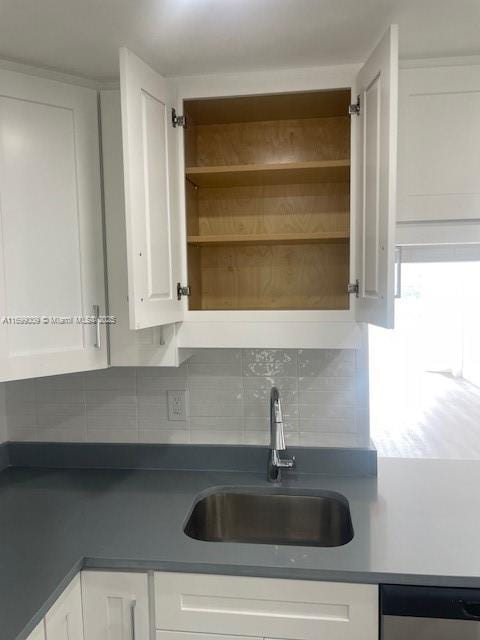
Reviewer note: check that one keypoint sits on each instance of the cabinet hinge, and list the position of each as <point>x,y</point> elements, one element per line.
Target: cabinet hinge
<point>354,109</point>
<point>178,121</point>
<point>183,291</point>
<point>354,288</point>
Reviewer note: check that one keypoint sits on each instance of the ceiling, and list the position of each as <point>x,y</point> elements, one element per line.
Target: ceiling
<point>181,37</point>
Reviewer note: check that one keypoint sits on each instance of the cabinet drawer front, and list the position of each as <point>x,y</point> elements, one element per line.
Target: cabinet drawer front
<point>264,607</point>
<point>163,634</point>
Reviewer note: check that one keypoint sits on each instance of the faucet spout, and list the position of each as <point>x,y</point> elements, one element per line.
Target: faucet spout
<point>277,439</point>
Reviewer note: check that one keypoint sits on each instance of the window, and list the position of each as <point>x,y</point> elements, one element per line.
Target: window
<point>425,374</point>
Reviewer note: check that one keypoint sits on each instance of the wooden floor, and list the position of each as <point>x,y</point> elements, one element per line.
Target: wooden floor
<point>445,424</point>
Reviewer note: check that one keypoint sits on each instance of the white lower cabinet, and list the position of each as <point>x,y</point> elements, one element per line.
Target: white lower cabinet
<point>111,605</point>
<point>38,633</point>
<point>220,606</point>
<point>64,621</point>
<point>115,605</point>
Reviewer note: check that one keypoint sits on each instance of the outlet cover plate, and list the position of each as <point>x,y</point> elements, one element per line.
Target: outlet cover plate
<point>177,404</point>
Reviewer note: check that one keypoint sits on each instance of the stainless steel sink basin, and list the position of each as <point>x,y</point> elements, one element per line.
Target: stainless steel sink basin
<point>314,519</point>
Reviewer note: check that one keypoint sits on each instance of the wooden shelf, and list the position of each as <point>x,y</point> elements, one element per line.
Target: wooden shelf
<point>277,238</point>
<point>258,174</point>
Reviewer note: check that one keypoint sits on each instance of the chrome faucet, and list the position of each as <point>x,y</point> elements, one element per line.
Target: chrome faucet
<point>277,440</point>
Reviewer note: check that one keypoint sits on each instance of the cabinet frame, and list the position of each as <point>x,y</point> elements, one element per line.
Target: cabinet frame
<point>264,83</point>
<point>372,201</point>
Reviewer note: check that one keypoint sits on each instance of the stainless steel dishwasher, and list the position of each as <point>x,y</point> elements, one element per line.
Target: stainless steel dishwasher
<point>429,613</point>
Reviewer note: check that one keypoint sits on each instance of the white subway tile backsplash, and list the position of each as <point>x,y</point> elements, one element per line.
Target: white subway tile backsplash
<point>54,395</point>
<point>261,409</point>
<point>320,383</point>
<point>272,363</point>
<point>223,403</point>
<point>311,439</point>
<point>19,392</point>
<point>320,397</point>
<point>267,382</point>
<point>162,372</point>
<point>258,438</point>
<point>327,412</point>
<point>112,435</point>
<point>217,437</point>
<point>20,421</point>
<point>120,378</point>
<point>324,400</point>
<point>288,396</point>
<point>60,434</point>
<point>216,356</point>
<point>216,424</point>
<point>263,424</point>
<point>120,418</point>
<point>105,398</point>
<point>203,372</point>
<point>61,421</point>
<point>326,362</point>
<point>330,425</point>
<point>22,435</point>
<point>151,387</point>
<point>164,436</point>
<point>67,381</point>
<point>150,416</point>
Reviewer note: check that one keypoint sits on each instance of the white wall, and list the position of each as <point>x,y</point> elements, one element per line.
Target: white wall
<point>324,393</point>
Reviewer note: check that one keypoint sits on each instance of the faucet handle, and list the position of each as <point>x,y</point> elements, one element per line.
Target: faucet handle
<point>286,463</point>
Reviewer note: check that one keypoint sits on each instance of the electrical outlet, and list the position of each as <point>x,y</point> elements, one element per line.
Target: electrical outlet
<point>177,405</point>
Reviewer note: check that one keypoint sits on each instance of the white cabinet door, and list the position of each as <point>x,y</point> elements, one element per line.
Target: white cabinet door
<point>438,144</point>
<point>152,216</point>
<point>374,182</point>
<point>64,621</point>
<point>115,605</point>
<point>51,248</point>
<point>38,633</point>
<point>153,346</point>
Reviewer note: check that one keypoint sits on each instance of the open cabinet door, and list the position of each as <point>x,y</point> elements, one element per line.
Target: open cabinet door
<point>152,224</point>
<point>375,182</point>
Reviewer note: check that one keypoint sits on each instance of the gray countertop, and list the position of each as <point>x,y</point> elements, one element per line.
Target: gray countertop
<point>417,523</point>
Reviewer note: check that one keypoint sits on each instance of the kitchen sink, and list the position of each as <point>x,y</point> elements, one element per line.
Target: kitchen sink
<point>313,519</point>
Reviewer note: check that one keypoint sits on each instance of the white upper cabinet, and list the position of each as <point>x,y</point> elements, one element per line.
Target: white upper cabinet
<point>439,142</point>
<point>152,216</point>
<point>265,206</point>
<point>375,182</point>
<point>51,247</point>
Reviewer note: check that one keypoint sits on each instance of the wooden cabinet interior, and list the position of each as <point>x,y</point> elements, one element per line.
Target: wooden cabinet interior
<point>268,198</point>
